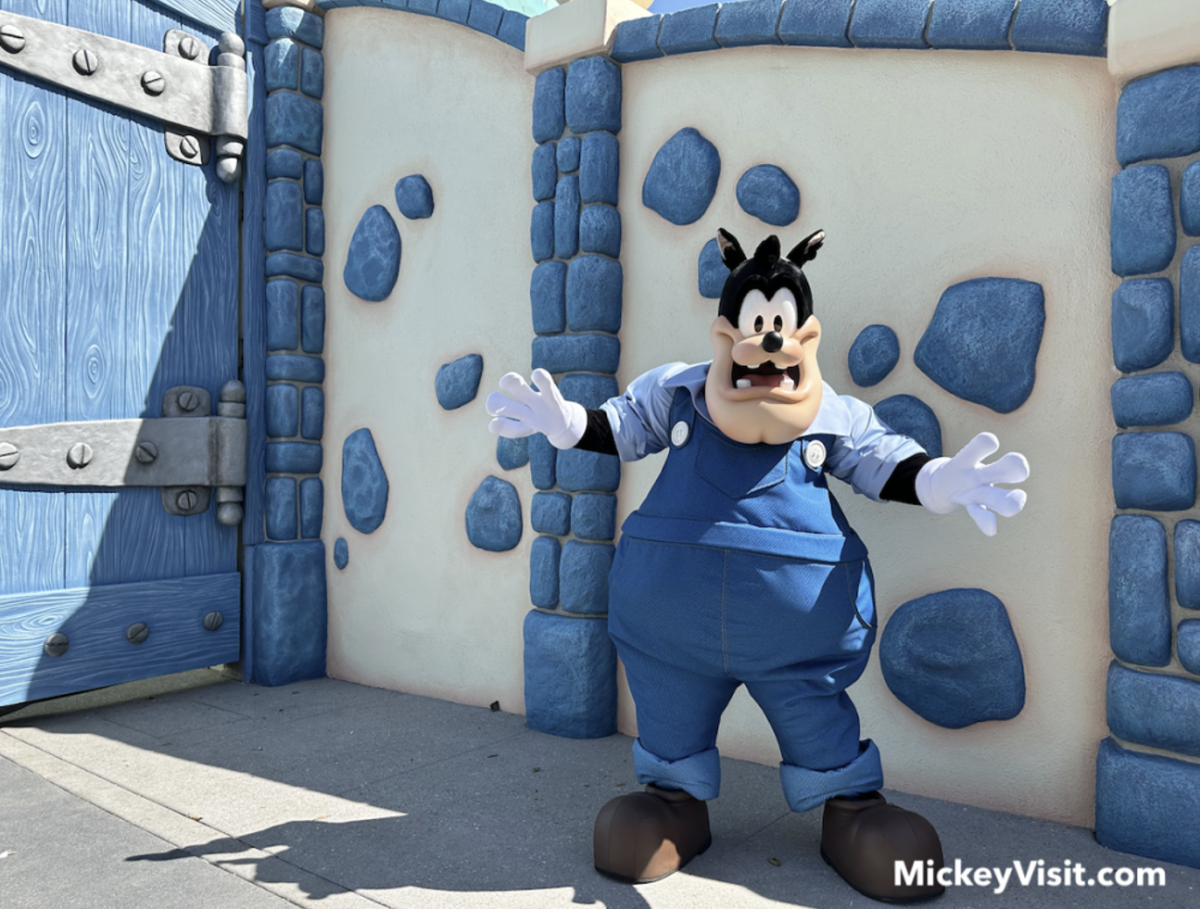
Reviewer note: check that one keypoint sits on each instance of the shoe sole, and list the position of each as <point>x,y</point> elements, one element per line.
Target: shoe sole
<point>918,898</point>
<point>650,880</point>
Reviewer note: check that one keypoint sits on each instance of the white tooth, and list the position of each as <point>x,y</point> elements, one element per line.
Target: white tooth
<point>787,384</point>
<point>755,366</point>
<point>743,383</point>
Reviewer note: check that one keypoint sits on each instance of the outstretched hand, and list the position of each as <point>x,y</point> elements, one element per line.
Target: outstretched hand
<point>946,483</point>
<point>522,410</point>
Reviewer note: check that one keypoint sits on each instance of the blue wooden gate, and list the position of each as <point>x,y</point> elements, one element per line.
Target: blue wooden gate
<point>118,280</point>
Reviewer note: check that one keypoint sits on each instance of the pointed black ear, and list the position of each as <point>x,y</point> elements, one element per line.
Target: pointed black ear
<point>767,253</point>
<point>806,249</point>
<point>731,250</point>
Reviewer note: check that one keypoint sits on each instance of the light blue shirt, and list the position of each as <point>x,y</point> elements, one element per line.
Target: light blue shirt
<point>864,454</point>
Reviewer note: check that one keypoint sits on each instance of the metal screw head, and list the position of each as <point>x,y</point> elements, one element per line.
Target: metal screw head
<point>86,61</point>
<point>80,455</point>
<point>213,621</point>
<point>153,82</point>
<point>12,39</point>
<point>146,452</point>
<point>56,645</point>
<point>186,500</point>
<point>189,147</point>
<point>9,455</point>
<point>189,48</point>
<point>137,633</point>
<point>189,400</point>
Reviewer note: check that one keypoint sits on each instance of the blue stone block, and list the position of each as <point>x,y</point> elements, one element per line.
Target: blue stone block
<point>594,294</point>
<point>423,7</point>
<point>1143,323</point>
<point>570,353</point>
<point>295,120</point>
<point>312,319</point>
<point>1148,805</point>
<point>305,268</point>
<point>512,29</point>
<point>1139,606</point>
<point>682,179</point>
<point>1158,399</point>
<point>294,457</point>
<point>1061,27</point>
<point>544,555</point>
<point>874,354</point>
<point>414,197</point>
<point>952,658</point>
<point>1189,305</point>
<point>600,230</point>
<point>971,24</point>
<point>512,453</point>
<point>1187,563</point>
<point>290,22</point>
<point>594,516</point>
<point>543,460</point>
<point>295,368</point>
<point>457,383</point>
<point>494,516</point>
<point>283,330</point>
<point>551,513</point>
<point>593,96</point>
<point>281,65</point>
<point>590,391</point>
<point>982,343</point>
<point>1187,645</point>
<point>583,577</point>
<point>1143,220</point>
<point>1152,709</point>
<point>599,168</point>
<point>289,618</point>
<point>549,116</point>
<point>588,471</point>
<point>570,676</point>
<point>544,171</point>
<point>637,39</point>
<point>548,297</point>
<point>280,508</point>
<point>566,218</point>
<point>769,194</point>
<point>711,270</point>
<point>485,17</point>
<point>314,231</point>
<point>283,221</point>
<point>890,23</point>
<point>816,23</point>
<point>1154,471</point>
<point>341,554</point>
<point>312,507</point>
<point>373,263</point>
<point>314,182</point>
<point>283,412</point>
<point>454,10</point>
<point>1189,200</point>
<point>284,162</point>
<point>312,413</point>
<point>541,231</point>
<point>1159,116</point>
<point>567,154</point>
<point>912,417</point>
<point>365,485</point>
<point>749,22</point>
<point>689,31</point>
<point>312,79</point>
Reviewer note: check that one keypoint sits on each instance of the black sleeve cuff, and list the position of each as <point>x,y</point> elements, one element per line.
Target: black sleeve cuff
<point>598,436</point>
<point>902,484</point>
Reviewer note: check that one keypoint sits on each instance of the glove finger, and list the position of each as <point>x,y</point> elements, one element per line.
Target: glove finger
<point>500,406</point>
<point>984,519</point>
<point>510,429</point>
<point>1012,468</point>
<point>976,450</point>
<point>545,384</point>
<point>513,385</point>
<point>1006,502</point>
<point>495,401</point>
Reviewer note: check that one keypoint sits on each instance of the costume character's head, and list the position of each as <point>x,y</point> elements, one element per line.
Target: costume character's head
<point>764,384</point>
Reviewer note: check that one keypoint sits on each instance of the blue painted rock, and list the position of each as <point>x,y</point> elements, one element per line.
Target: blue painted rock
<point>457,383</point>
<point>769,194</point>
<point>364,482</point>
<point>494,516</point>
<point>874,354</point>
<point>373,263</point>
<point>414,197</point>
<point>682,179</point>
<point>912,417</point>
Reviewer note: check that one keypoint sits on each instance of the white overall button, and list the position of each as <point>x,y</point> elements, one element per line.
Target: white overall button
<point>814,454</point>
<point>679,433</point>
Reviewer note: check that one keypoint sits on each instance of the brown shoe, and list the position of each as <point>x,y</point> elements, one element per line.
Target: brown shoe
<point>864,837</point>
<point>644,836</point>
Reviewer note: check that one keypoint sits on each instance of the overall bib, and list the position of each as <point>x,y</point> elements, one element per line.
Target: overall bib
<point>740,568</point>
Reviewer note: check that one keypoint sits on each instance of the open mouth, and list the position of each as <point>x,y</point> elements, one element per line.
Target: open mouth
<point>765,375</point>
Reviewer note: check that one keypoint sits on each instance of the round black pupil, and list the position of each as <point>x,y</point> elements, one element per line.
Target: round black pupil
<point>758,324</point>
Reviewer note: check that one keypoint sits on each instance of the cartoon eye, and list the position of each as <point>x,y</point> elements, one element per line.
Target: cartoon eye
<point>779,323</point>
<point>758,324</point>
<point>758,312</point>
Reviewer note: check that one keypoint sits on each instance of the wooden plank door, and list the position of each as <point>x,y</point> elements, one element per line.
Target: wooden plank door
<point>118,280</point>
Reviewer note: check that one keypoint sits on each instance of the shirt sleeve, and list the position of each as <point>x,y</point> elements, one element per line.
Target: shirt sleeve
<point>866,456</point>
<point>639,417</point>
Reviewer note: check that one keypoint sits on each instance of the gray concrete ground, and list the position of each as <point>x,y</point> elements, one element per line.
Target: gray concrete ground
<point>196,791</point>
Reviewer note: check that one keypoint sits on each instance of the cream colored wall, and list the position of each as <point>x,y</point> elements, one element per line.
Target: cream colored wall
<point>925,169</point>
<point>419,608</point>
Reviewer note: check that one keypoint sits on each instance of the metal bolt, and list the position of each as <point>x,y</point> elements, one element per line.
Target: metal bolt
<point>189,400</point>
<point>56,645</point>
<point>146,452</point>
<point>137,633</point>
<point>86,61</point>
<point>189,147</point>
<point>213,621</point>
<point>80,455</point>
<point>9,455</point>
<point>153,82</point>
<point>186,500</point>
<point>189,48</point>
<point>12,39</point>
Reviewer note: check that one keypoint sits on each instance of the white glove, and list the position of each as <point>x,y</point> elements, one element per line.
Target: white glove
<point>945,483</point>
<point>525,411</point>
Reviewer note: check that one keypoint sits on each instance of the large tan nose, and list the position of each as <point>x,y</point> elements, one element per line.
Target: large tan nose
<point>773,342</point>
